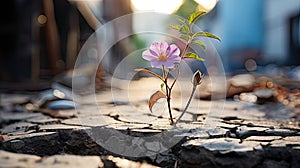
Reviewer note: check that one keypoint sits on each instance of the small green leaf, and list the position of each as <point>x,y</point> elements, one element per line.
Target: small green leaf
<point>181,20</point>
<point>206,34</point>
<point>176,27</point>
<point>198,42</point>
<point>194,16</point>
<point>194,56</point>
<point>184,37</point>
<point>185,29</point>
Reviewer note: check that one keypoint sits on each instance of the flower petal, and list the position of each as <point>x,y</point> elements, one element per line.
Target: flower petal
<point>174,50</point>
<point>163,47</point>
<point>148,56</point>
<point>168,50</point>
<point>168,64</point>
<point>175,58</point>
<point>156,50</point>
<point>153,52</point>
<point>155,47</point>
<point>156,64</point>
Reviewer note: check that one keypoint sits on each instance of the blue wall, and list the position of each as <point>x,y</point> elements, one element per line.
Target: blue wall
<point>241,26</point>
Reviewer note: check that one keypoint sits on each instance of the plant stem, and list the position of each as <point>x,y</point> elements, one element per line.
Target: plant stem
<point>163,72</point>
<point>169,89</point>
<point>170,112</point>
<point>168,94</point>
<point>187,105</point>
<point>186,47</point>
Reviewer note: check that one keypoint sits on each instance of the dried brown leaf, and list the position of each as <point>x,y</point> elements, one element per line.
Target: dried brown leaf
<point>154,98</point>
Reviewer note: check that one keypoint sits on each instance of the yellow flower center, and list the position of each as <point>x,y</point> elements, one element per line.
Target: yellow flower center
<point>162,57</point>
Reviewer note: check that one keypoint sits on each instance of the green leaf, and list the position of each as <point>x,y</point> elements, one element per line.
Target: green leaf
<point>194,56</point>
<point>182,21</point>
<point>176,27</point>
<point>184,37</point>
<point>185,29</point>
<point>194,16</point>
<point>198,42</point>
<point>206,34</point>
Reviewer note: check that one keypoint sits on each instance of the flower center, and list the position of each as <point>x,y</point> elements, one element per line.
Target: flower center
<point>162,57</point>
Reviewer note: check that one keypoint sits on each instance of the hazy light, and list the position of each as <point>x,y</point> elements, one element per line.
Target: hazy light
<point>42,19</point>
<point>58,94</point>
<point>162,6</point>
<point>206,5</point>
<point>251,65</point>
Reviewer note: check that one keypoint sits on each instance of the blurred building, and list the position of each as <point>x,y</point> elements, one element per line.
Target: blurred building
<point>39,39</point>
<point>266,32</point>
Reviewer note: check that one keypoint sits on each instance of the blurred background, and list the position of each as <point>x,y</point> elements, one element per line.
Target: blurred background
<point>40,39</point>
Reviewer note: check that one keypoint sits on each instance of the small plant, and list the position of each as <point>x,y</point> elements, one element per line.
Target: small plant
<point>167,57</point>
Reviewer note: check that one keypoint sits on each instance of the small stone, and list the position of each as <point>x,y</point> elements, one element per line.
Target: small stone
<point>248,97</point>
<point>240,84</point>
<point>243,80</point>
<point>264,93</point>
<point>224,145</point>
<point>61,104</point>
<point>217,132</point>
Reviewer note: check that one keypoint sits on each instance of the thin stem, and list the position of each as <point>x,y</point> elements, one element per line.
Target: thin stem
<point>187,105</point>
<point>168,94</point>
<point>163,72</point>
<point>186,47</point>
<point>169,89</point>
<point>170,112</point>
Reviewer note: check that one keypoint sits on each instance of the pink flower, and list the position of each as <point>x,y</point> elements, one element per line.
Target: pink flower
<point>162,54</point>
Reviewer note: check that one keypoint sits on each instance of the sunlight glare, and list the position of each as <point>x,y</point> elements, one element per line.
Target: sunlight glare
<point>162,6</point>
<point>206,5</point>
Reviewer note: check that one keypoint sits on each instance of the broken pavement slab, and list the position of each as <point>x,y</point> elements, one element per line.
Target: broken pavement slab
<point>228,152</point>
<point>42,143</point>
